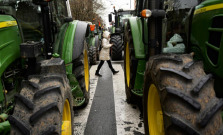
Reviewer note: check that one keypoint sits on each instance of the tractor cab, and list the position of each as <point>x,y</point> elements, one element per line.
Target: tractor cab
<point>121,17</point>
<point>29,16</point>
<point>172,20</point>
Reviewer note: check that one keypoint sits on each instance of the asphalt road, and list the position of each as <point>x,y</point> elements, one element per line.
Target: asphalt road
<point>108,113</point>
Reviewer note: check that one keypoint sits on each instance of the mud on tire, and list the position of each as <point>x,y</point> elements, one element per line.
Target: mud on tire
<point>187,97</point>
<point>39,106</point>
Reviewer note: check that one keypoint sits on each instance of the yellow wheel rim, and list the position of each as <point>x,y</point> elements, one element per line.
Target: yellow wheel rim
<point>127,63</point>
<point>86,70</point>
<point>154,112</point>
<point>66,122</point>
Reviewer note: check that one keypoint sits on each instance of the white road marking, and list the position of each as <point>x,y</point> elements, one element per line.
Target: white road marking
<point>127,117</point>
<point>81,115</point>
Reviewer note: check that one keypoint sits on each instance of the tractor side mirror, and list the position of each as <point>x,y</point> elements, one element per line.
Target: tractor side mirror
<point>110,17</point>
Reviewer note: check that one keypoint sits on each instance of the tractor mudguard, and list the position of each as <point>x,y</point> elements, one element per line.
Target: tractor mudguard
<point>73,43</point>
<point>80,34</point>
<point>136,29</point>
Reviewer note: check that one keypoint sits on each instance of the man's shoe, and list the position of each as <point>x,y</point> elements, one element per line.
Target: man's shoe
<point>115,72</point>
<point>97,74</point>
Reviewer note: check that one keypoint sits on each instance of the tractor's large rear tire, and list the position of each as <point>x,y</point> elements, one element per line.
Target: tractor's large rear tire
<point>43,107</point>
<point>81,72</point>
<point>116,50</point>
<point>130,68</point>
<point>93,55</point>
<point>179,98</point>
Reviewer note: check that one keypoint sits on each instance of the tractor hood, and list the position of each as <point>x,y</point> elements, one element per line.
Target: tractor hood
<point>10,40</point>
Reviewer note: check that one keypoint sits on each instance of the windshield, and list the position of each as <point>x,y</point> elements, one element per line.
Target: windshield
<point>183,4</point>
<point>27,14</point>
<point>10,6</point>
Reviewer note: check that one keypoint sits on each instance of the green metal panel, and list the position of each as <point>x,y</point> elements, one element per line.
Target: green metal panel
<point>9,46</point>
<point>60,38</point>
<point>5,128</point>
<point>4,18</point>
<point>207,3</point>
<point>76,90</point>
<point>113,29</point>
<point>206,37</point>
<point>4,125</point>
<point>139,80</point>
<point>100,36</point>
<point>91,41</point>
<point>68,44</point>
<point>136,29</point>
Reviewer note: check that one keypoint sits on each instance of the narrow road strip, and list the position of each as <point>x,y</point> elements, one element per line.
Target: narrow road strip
<point>128,117</point>
<point>101,120</point>
<point>81,115</point>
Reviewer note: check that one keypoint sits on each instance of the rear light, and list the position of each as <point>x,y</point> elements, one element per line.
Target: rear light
<point>92,27</point>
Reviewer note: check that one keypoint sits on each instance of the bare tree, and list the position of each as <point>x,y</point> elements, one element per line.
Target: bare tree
<point>86,10</point>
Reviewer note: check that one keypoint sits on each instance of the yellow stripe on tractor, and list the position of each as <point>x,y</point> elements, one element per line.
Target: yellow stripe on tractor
<point>8,24</point>
<point>208,8</point>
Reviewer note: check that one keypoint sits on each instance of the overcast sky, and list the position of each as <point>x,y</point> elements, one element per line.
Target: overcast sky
<point>108,4</point>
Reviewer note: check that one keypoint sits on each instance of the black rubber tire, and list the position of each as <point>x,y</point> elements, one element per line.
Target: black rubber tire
<point>39,106</point>
<point>78,71</point>
<point>116,49</point>
<point>93,55</point>
<point>130,97</point>
<point>187,95</point>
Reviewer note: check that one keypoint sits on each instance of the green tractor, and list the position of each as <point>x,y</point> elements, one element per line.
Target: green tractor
<point>117,31</point>
<point>173,60</point>
<point>94,42</point>
<point>44,69</point>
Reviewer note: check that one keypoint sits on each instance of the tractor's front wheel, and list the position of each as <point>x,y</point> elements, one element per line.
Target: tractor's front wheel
<point>44,106</point>
<point>179,98</point>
